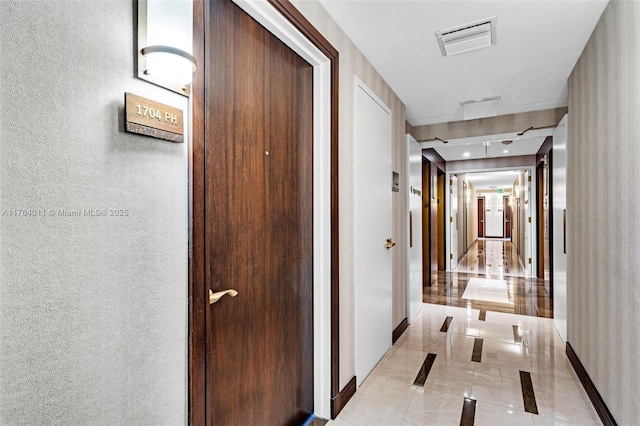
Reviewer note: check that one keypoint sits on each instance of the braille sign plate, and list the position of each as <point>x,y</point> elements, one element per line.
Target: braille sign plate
<point>154,119</point>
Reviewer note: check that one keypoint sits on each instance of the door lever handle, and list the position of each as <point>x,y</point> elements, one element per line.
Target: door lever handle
<point>388,244</point>
<point>214,297</point>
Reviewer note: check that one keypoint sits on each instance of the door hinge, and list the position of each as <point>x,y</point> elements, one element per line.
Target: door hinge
<point>529,261</point>
<point>451,219</point>
<point>529,178</point>
<point>451,182</point>
<point>451,256</point>
<point>529,219</point>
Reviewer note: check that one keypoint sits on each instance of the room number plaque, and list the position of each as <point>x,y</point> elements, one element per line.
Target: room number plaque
<point>151,118</point>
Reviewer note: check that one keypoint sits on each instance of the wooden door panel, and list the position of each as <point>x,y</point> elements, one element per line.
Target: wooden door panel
<point>481,217</point>
<point>259,223</point>
<point>507,217</point>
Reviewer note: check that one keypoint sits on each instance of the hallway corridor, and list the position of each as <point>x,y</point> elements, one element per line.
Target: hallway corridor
<point>482,351</point>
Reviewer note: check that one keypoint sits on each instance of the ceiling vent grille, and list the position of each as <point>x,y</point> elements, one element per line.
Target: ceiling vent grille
<point>468,37</point>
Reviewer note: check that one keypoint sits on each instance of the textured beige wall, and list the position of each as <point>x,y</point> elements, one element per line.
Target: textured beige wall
<point>603,209</point>
<point>488,126</point>
<point>460,216</point>
<point>522,226</point>
<point>519,219</point>
<point>491,163</point>
<point>472,216</point>
<point>92,309</point>
<point>472,212</point>
<point>352,62</point>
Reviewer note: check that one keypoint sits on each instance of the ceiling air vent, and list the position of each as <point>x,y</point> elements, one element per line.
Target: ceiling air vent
<point>465,38</point>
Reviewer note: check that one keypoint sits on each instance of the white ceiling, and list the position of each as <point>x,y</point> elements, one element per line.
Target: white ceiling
<point>538,44</point>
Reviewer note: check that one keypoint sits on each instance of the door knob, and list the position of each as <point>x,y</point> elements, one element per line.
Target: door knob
<point>388,244</point>
<point>214,297</point>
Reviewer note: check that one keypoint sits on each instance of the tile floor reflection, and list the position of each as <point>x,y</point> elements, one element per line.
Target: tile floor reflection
<point>388,396</point>
<point>475,279</point>
<point>492,257</point>
<point>525,296</point>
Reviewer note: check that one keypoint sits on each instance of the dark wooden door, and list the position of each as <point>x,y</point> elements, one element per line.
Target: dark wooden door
<point>258,223</point>
<point>480,217</point>
<point>426,222</point>
<point>507,217</point>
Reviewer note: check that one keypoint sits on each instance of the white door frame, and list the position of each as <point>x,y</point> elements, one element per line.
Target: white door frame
<point>270,18</point>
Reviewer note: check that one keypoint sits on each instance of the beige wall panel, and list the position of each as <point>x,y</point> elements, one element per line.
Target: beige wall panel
<point>352,62</point>
<point>603,208</point>
<point>489,126</point>
<point>480,164</point>
<point>472,217</point>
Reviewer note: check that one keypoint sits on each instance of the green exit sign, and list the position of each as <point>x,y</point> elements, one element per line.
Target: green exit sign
<point>499,190</point>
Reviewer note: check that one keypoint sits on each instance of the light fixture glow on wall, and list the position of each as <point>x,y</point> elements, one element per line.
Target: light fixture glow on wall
<point>165,43</point>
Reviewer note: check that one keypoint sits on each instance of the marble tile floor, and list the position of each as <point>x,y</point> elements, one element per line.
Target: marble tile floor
<point>520,357</point>
<point>492,257</point>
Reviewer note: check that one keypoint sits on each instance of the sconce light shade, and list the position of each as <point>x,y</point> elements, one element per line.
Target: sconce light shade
<point>165,44</point>
<point>169,64</point>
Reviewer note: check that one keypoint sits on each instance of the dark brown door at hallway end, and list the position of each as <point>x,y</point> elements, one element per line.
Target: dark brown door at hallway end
<point>258,223</point>
<point>480,217</point>
<point>507,217</point>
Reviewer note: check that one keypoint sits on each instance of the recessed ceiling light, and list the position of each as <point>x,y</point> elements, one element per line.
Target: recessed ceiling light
<point>504,151</point>
<point>488,98</point>
<point>466,154</point>
<point>467,37</point>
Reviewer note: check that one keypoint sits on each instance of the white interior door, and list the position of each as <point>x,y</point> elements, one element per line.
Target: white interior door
<point>373,182</point>
<point>453,221</point>
<point>493,215</point>
<point>414,228</point>
<point>559,195</point>
<point>528,226</point>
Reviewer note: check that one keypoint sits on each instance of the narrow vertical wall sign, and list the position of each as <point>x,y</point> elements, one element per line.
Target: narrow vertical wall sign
<point>151,118</point>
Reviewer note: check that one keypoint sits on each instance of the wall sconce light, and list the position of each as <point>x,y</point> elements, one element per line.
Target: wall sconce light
<point>165,44</point>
